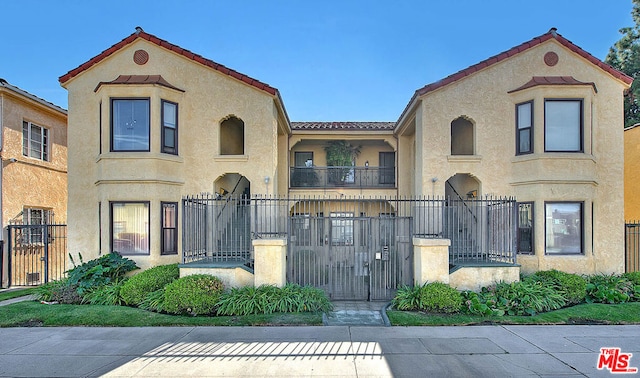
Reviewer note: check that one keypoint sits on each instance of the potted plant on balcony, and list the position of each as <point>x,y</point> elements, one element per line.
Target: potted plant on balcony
<point>304,176</point>
<point>340,154</point>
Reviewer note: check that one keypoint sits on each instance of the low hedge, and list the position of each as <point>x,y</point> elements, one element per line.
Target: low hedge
<point>197,294</point>
<point>137,288</point>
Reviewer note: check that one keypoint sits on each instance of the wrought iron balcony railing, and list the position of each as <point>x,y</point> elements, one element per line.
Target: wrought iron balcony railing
<point>353,177</point>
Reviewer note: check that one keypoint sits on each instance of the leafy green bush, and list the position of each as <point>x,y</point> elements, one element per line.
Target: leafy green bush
<point>61,291</point>
<point>136,289</point>
<point>572,286</point>
<point>407,298</point>
<point>609,288</point>
<point>267,299</point>
<point>108,295</point>
<point>634,278</point>
<point>528,297</point>
<point>98,272</point>
<point>154,301</point>
<point>431,297</point>
<point>197,294</point>
<point>483,303</point>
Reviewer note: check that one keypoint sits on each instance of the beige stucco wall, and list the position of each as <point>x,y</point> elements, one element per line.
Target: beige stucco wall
<point>29,182</point>
<point>98,176</point>
<point>594,177</point>
<point>476,277</point>
<point>230,277</point>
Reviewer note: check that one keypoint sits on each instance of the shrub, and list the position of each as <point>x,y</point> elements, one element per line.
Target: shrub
<point>136,288</point>
<point>634,278</point>
<point>407,298</point>
<point>603,288</point>
<point>431,297</point>
<point>108,295</point>
<point>267,299</point>
<point>572,286</point>
<point>58,291</point>
<point>440,297</point>
<point>527,297</point>
<point>197,294</point>
<point>154,301</point>
<point>98,272</point>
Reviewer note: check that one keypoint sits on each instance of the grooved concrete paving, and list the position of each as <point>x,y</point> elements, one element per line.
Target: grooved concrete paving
<point>357,314</point>
<point>354,351</point>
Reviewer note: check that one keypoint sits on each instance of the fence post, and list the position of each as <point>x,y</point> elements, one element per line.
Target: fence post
<point>270,264</point>
<point>431,260</point>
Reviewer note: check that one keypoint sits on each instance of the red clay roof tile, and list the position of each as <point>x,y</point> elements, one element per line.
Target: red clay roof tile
<point>513,51</point>
<point>343,126</point>
<point>552,80</point>
<point>169,46</point>
<point>139,79</point>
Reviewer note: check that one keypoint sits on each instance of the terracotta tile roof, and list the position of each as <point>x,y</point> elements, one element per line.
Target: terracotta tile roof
<point>345,126</point>
<point>511,52</point>
<point>22,92</point>
<point>553,80</point>
<point>169,46</point>
<point>139,79</point>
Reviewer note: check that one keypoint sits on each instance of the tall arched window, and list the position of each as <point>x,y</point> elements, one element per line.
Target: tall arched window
<point>232,136</point>
<point>462,137</point>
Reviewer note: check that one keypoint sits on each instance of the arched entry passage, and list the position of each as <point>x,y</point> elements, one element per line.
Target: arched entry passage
<point>462,186</point>
<point>232,185</point>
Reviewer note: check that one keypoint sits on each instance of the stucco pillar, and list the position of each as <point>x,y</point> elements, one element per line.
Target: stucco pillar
<point>270,262</point>
<point>431,260</point>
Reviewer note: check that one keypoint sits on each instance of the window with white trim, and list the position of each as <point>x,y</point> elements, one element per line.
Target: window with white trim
<point>35,217</point>
<point>35,141</point>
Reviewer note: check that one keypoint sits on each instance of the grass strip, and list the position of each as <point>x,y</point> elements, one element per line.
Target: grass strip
<point>34,314</point>
<point>10,294</point>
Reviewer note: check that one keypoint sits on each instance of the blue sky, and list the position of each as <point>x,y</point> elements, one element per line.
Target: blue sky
<point>331,60</point>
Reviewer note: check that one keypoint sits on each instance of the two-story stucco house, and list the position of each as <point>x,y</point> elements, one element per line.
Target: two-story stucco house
<point>513,163</point>
<point>33,174</point>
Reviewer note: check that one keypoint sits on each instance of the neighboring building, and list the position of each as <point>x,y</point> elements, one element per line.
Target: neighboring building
<point>152,124</point>
<point>631,173</point>
<point>33,146</point>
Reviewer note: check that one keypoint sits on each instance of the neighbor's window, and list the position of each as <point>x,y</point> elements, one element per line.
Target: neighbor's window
<point>169,225</point>
<point>232,137</point>
<point>563,227</point>
<point>35,141</point>
<point>169,127</point>
<point>130,227</point>
<point>35,217</point>
<point>130,124</point>
<point>524,125</point>
<point>563,125</point>
<point>525,228</point>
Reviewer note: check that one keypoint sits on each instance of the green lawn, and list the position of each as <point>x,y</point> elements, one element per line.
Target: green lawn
<point>10,294</point>
<point>32,313</point>
<point>595,313</point>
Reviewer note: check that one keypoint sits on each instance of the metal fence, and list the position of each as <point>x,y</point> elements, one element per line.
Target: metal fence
<point>221,229</point>
<point>632,246</point>
<point>353,177</point>
<point>37,254</point>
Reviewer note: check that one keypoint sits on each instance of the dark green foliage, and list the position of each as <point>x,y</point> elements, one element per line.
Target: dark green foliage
<point>154,301</point>
<point>197,294</point>
<point>609,288</point>
<point>624,55</point>
<point>136,289</point>
<point>58,291</point>
<point>267,299</point>
<point>634,278</point>
<point>434,297</point>
<point>527,297</point>
<point>572,286</point>
<point>108,295</point>
<point>98,272</point>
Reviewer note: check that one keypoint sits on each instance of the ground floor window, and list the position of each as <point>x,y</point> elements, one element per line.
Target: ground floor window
<point>341,228</point>
<point>525,228</point>
<point>130,227</point>
<point>169,226</point>
<point>35,217</point>
<point>563,227</point>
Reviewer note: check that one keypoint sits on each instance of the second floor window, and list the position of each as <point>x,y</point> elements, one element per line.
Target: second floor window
<point>524,131</point>
<point>563,125</point>
<point>35,141</point>
<point>169,127</point>
<point>130,124</point>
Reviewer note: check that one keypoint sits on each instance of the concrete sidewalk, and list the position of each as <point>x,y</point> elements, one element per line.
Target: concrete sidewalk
<point>478,351</point>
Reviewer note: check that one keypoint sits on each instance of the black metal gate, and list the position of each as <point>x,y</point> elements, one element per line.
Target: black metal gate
<point>37,253</point>
<point>349,257</point>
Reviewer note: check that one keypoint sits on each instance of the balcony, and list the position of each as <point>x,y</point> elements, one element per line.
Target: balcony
<point>345,177</point>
